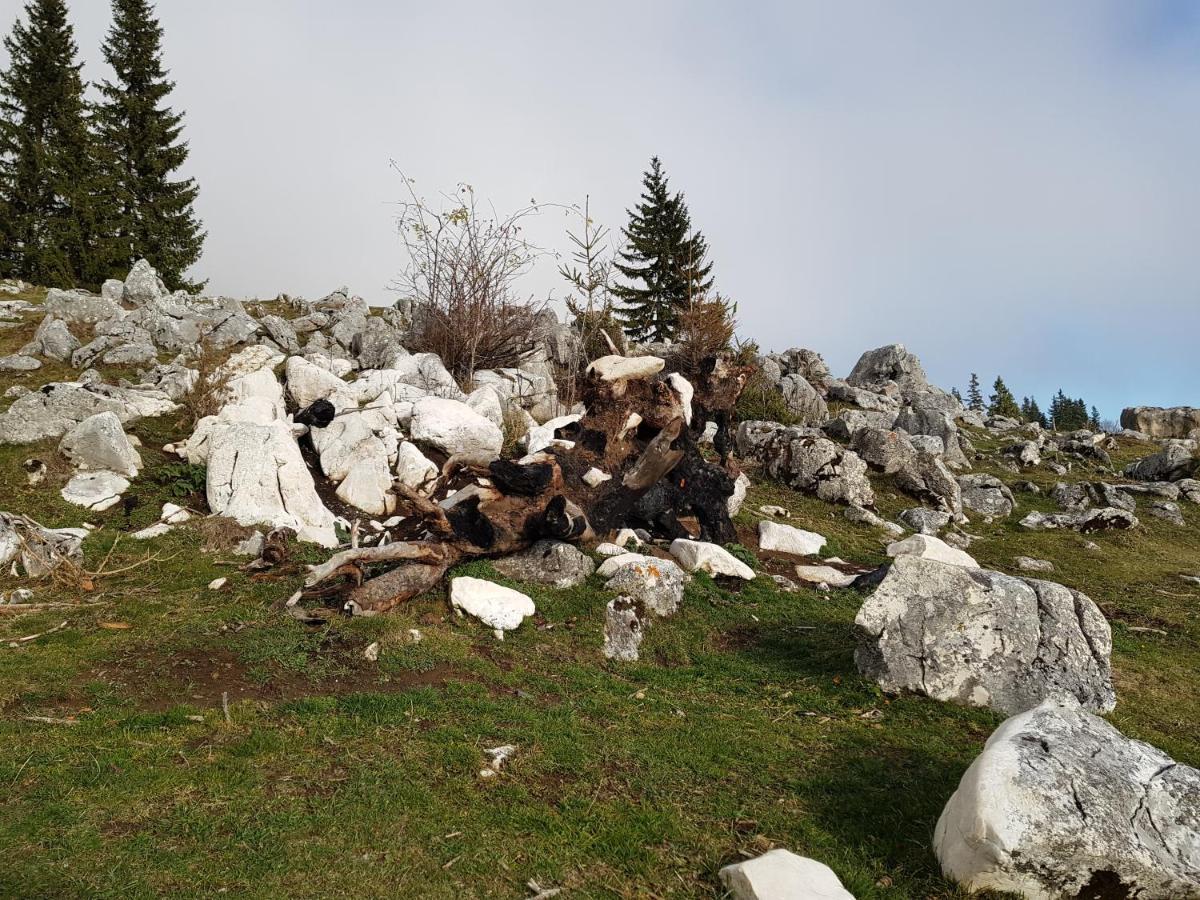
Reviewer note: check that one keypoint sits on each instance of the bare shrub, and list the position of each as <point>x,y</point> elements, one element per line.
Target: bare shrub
<point>463,265</point>
<point>212,386</point>
<point>706,329</point>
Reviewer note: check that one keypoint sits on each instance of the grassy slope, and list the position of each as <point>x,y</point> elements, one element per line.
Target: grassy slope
<point>745,725</point>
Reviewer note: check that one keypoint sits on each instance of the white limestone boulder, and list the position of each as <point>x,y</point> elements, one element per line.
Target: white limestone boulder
<point>99,443</point>
<point>1061,804</point>
<point>453,427</point>
<point>493,604</point>
<point>782,875</point>
<point>926,546</point>
<point>701,556</point>
<point>781,538</point>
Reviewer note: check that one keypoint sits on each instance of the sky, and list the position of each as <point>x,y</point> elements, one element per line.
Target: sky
<point>1006,188</point>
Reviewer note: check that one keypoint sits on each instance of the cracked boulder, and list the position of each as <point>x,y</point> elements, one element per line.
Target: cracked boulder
<point>815,465</point>
<point>1061,804</point>
<point>980,638</point>
<point>257,476</point>
<point>986,495</point>
<point>55,408</point>
<point>1175,461</point>
<point>99,443</point>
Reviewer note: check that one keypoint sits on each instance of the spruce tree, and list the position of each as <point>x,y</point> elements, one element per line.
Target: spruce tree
<point>955,394</point>
<point>974,394</point>
<point>1002,401</point>
<point>1094,419</point>
<point>664,260</point>
<point>141,152</point>
<point>47,185</point>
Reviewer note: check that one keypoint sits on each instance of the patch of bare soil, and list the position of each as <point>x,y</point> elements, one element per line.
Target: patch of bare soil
<point>204,676</point>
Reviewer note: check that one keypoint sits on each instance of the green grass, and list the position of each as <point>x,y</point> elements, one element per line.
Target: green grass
<point>744,726</point>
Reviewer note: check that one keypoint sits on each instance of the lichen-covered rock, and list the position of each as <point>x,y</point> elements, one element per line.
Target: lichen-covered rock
<point>986,495</point>
<point>547,562</point>
<point>1175,461</point>
<point>925,521</point>
<point>815,465</point>
<point>1061,804</point>
<point>655,583</point>
<point>981,638</point>
<point>57,407</point>
<point>1106,518</point>
<point>1157,422</point>
<point>624,628</point>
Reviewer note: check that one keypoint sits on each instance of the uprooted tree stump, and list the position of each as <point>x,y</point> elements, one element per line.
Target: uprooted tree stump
<point>641,429</point>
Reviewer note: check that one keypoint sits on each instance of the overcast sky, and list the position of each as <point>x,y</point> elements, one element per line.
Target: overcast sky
<point>1005,188</point>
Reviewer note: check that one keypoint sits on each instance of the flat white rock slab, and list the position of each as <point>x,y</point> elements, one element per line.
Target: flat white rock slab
<point>787,539</point>
<point>493,604</point>
<point>700,556</point>
<point>824,575</point>
<point>926,546</point>
<point>96,491</point>
<point>782,875</point>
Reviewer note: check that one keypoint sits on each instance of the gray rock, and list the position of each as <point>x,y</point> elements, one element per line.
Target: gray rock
<point>18,363</point>
<point>547,562</point>
<point>623,629</point>
<point>847,423</point>
<point>55,408</point>
<point>887,451</point>
<point>1026,453</point>
<point>1158,423</point>
<point>925,521</point>
<point>655,583</point>
<point>1170,512</point>
<point>986,495</point>
<point>39,550</point>
<point>1175,461</point>
<point>862,516</point>
<point>929,480</point>
<point>813,465</point>
<point>1061,804</point>
<point>234,326</point>
<point>890,363</point>
<point>1168,490</point>
<point>803,401</point>
<point>78,306</point>
<point>1105,518</point>
<point>130,355</point>
<point>53,340</point>
<point>1029,564</point>
<point>142,285</point>
<point>278,330</point>
<point>1189,489</point>
<point>862,398</point>
<point>931,420</point>
<point>981,638</point>
<point>377,345</point>
<point>99,443</point>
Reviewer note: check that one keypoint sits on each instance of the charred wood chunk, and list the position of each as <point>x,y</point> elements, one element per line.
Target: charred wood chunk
<point>656,511</point>
<point>470,524</point>
<point>564,520</point>
<point>317,414</point>
<point>705,489</point>
<point>593,441</point>
<point>514,479</point>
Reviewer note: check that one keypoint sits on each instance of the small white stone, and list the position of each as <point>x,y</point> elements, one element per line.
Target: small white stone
<point>415,636</point>
<point>217,583</point>
<point>96,491</point>
<point>609,550</point>
<point>782,875</point>
<point>371,653</point>
<point>157,530</point>
<point>627,536</point>
<point>593,477</point>
<point>621,368</point>
<point>786,539</point>
<point>493,604</point>
<point>824,575</point>
<point>705,557</point>
<point>174,515</point>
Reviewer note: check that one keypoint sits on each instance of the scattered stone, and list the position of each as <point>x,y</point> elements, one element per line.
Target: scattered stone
<point>865,517</point>
<point>1085,521</point>
<point>814,465</point>
<point>217,583</point>
<point>17,363</point>
<point>784,583</point>
<point>1168,511</point>
<point>1176,460</point>
<point>826,575</point>
<point>623,629</point>
<point>593,477</point>
<point>1029,564</point>
<point>981,638</point>
<point>622,368</point>
<point>493,604</point>
<point>777,511</point>
<point>740,486</point>
<point>926,546</point>
<point>786,539</point>
<point>986,495</point>
<point>1061,804</point>
<point>924,520</point>
<point>701,556</point>
<point>96,491</point>
<point>547,562</point>
<point>657,584</point>
<point>782,875</point>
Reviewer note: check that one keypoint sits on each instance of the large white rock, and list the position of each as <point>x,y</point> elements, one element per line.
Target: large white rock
<point>655,583</point>
<point>621,368</point>
<point>786,539</point>
<point>493,604</point>
<point>414,469</point>
<point>99,443</point>
<point>981,638</point>
<point>453,427</point>
<point>96,491</point>
<point>485,401</point>
<point>782,875</point>
<point>926,546</point>
<point>701,556</point>
<point>827,575</point>
<point>142,285</point>
<point>257,476</point>
<point>308,382</point>
<point>1061,804</point>
<point>422,373</point>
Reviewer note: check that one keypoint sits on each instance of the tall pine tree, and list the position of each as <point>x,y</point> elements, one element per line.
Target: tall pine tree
<point>664,260</point>
<point>1002,402</point>
<point>974,394</point>
<point>47,187</point>
<point>141,152</point>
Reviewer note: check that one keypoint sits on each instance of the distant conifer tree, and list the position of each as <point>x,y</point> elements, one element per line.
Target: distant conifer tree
<point>974,394</point>
<point>47,184</point>
<point>955,394</point>
<point>150,207</point>
<point>1002,402</point>
<point>664,260</point>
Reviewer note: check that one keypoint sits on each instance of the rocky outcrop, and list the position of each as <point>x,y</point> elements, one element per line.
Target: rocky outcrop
<point>1176,460</point>
<point>980,638</point>
<point>1061,804</point>
<point>1158,423</point>
<point>811,464</point>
